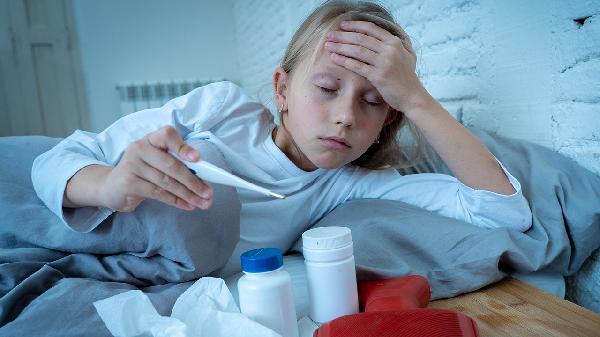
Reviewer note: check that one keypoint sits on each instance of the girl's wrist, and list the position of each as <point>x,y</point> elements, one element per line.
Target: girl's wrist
<point>421,104</point>
<point>99,187</point>
<point>85,187</point>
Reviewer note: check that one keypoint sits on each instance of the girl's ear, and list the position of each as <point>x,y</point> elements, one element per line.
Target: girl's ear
<point>280,87</point>
<point>391,115</point>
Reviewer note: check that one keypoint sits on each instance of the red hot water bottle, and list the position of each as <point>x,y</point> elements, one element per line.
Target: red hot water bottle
<point>396,307</point>
<point>407,323</point>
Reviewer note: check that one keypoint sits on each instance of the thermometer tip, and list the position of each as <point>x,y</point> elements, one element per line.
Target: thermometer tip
<point>277,195</point>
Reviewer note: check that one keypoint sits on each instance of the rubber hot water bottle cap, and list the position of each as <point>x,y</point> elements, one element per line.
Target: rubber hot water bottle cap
<point>396,307</point>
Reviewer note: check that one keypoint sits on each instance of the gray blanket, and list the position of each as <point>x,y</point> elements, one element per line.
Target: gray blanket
<point>50,276</point>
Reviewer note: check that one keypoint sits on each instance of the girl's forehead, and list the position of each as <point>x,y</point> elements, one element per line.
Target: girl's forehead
<point>323,68</point>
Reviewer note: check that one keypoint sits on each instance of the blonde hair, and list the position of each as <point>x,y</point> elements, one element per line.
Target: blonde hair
<point>389,152</point>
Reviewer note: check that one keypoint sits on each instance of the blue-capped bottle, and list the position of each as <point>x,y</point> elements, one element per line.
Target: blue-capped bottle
<point>265,291</point>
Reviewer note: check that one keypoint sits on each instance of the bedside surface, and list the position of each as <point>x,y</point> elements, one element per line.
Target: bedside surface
<point>514,308</point>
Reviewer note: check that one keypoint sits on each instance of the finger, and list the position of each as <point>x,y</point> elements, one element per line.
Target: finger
<point>371,29</point>
<point>356,66</point>
<point>167,138</point>
<point>367,28</point>
<point>358,39</point>
<point>356,52</point>
<point>148,190</point>
<point>174,168</point>
<point>170,185</point>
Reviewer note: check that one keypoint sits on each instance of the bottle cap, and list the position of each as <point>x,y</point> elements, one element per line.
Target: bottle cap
<point>326,238</point>
<point>261,260</point>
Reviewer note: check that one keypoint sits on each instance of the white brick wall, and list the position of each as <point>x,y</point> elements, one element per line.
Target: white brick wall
<point>524,69</point>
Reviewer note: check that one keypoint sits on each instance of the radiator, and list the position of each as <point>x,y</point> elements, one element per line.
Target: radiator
<point>135,96</point>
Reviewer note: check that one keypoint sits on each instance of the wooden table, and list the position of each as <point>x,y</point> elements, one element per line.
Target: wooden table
<point>514,308</point>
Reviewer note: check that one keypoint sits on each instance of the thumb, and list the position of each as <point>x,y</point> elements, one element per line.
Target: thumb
<point>188,153</point>
<point>167,138</point>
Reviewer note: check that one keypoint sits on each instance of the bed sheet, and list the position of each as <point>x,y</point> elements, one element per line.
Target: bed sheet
<point>50,276</point>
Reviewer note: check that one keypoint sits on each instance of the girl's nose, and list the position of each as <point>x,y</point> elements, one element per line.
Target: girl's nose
<point>345,114</point>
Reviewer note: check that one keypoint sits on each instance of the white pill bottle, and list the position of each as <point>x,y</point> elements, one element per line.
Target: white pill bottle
<point>265,291</point>
<point>329,258</point>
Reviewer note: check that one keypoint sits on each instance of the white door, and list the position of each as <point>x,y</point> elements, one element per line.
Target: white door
<point>41,89</point>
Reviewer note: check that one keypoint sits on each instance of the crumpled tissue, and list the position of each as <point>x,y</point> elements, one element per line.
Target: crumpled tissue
<point>206,308</point>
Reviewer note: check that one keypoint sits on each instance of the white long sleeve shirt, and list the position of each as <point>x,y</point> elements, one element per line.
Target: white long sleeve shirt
<point>222,114</point>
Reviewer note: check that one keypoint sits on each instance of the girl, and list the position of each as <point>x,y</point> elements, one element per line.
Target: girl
<point>346,85</point>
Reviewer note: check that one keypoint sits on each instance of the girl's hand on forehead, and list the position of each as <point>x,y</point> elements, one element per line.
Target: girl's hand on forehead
<point>147,170</point>
<point>386,60</point>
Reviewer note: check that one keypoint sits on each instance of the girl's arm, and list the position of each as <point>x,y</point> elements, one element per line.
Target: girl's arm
<point>388,62</point>
<point>467,158</point>
<point>445,195</point>
<point>146,171</point>
<point>74,173</point>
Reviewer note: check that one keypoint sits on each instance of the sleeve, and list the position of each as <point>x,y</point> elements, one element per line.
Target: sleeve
<point>200,109</point>
<point>446,195</point>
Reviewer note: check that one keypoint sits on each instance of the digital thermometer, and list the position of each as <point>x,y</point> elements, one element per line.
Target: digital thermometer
<point>214,174</point>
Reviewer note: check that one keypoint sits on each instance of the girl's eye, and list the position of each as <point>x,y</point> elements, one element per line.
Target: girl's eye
<point>327,90</point>
<point>372,102</point>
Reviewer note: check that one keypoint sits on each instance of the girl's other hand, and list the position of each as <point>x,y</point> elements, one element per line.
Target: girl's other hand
<point>386,60</point>
<point>147,170</point>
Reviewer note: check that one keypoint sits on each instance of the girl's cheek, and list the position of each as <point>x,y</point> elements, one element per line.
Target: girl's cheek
<point>315,98</point>
<point>317,105</point>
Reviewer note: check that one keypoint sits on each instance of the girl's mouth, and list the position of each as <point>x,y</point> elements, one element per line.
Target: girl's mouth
<point>335,143</point>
